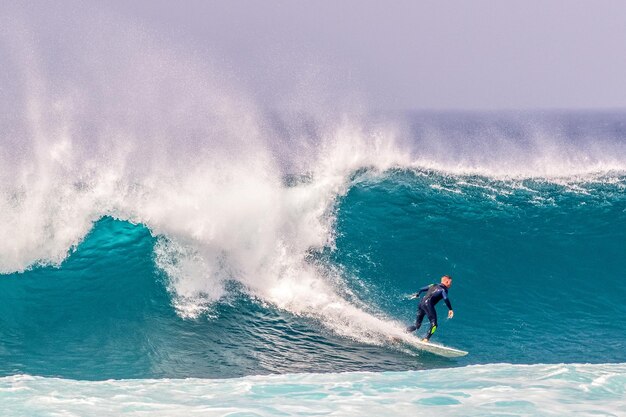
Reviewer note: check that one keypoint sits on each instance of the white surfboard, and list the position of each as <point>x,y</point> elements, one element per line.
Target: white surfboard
<point>414,343</point>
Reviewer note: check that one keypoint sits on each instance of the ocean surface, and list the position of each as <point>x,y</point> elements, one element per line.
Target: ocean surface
<point>268,275</point>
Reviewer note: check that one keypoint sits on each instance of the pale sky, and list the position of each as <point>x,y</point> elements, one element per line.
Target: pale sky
<point>479,54</point>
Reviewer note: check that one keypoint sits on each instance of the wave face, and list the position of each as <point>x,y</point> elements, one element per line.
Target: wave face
<point>536,263</point>
<point>486,390</point>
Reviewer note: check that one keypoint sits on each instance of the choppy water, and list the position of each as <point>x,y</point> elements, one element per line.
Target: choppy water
<point>486,390</point>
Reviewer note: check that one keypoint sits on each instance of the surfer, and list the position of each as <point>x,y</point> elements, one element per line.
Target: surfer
<point>434,293</point>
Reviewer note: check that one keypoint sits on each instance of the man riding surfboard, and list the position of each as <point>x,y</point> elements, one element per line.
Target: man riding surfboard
<point>426,307</point>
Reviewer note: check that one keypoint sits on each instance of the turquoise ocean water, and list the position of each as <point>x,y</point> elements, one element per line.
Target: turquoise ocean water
<point>207,283</point>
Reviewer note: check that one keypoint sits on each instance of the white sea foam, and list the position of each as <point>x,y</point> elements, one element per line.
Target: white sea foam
<point>181,150</point>
<point>486,390</point>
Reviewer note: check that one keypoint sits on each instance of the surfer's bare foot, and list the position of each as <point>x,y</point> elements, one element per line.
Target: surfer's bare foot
<point>425,340</point>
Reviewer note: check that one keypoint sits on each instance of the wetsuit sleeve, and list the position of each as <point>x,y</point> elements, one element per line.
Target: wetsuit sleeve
<point>445,299</point>
<point>421,290</point>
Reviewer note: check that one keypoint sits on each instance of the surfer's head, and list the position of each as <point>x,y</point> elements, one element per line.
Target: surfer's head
<point>446,280</point>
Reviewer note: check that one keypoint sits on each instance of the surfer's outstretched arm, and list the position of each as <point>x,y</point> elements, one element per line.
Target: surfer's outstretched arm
<point>421,290</point>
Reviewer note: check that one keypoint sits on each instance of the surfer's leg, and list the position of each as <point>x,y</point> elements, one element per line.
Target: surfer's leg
<point>418,320</point>
<point>432,317</point>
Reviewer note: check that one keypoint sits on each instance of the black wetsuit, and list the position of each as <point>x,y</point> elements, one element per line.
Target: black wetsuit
<point>434,293</point>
